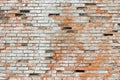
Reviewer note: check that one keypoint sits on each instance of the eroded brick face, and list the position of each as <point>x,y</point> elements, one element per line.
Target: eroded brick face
<point>59,40</point>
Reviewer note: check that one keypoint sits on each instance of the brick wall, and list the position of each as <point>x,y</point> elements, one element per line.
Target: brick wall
<point>59,40</point>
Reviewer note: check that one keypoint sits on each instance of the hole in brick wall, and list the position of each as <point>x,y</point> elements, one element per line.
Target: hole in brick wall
<point>92,4</point>
<point>59,71</point>
<point>33,74</point>
<point>54,14</point>
<point>79,71</point>
<point>118,24</point>
<point>23,61</point>
<point>64,28</point>
<point>114,30</point>
<point>24,44</point>
<point>78,8</point>
<point>49,51</point>
<point>19,61</point>
<point>90,64</point>
<point>108,34</point>
<point>49,58</point>
<point>24,11</point>
<point>89,51</point>
<point>19,14</point>
<point>82,14</point>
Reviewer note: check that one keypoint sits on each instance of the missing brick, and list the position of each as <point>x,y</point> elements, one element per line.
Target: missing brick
<point>49,58</point>
<point>82,14</point>
<point>59,71</point>
<point>114,30</point>
<point>19,14</point>
<point>80,71</point>
<point>81,8</point>
<point>64,28</point>
<point>90,64</point>
<point>118,24</point>
<point>24,11</point>
<point>25,61</point>
<point>108,34</point>
<point>33,74</point>
<point>90,4</point>
<point>54,14</point>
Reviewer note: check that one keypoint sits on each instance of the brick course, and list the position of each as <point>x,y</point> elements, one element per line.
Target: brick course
<point>59,40</point>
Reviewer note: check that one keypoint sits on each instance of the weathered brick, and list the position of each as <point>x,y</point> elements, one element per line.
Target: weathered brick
<point>59,40</point>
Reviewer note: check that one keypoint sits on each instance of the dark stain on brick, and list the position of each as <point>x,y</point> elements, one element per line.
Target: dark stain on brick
<point>2,48</point>
<point>49,58</point>
<point>69,31</point>
<point>108,34</point>
<point>82,14</point>
<point>27,24</point>
<point>25,17</point>
<point>116,47</point>
<point>115,41</point>
<point>49,51</point>
<point>54,14</point>
<point>7,44</point>
<point>89,51</point>
<point>24,44</point>
<point>80,71</point>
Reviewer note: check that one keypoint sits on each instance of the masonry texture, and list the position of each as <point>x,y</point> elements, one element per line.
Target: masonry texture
<point>59,40</point>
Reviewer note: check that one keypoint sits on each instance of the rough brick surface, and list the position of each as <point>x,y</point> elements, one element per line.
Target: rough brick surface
<point>59,40</point>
